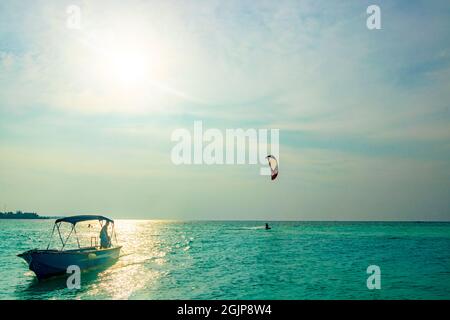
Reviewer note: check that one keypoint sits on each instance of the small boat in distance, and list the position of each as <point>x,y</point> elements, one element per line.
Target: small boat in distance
<point>52,262</point>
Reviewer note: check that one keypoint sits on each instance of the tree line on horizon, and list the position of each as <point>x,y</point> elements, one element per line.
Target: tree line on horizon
<point>20,215</point>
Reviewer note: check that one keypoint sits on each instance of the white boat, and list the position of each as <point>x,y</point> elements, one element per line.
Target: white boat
<point>52,262</point>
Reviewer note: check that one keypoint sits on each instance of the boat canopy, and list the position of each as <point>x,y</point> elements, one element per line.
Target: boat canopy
<point>75,219</point>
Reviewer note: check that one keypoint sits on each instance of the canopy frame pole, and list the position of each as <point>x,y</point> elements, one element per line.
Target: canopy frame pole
<point>114,234</point>
<point>51,237</point>
<point>67,239</point>
<point>101,227</point>
<point>76,235</point>
<point>59,233</point>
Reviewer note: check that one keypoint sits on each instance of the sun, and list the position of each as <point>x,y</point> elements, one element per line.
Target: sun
<point>130,70</point>
<point>127,67</point>
<point>125,60</point>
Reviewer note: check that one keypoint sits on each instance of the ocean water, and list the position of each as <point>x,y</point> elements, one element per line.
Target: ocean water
<point>241,260</point>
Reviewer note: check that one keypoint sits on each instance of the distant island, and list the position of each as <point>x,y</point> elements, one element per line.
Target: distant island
<point>21,215</point>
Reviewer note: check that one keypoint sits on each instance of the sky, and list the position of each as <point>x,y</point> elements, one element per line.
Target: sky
<point>87,114</point>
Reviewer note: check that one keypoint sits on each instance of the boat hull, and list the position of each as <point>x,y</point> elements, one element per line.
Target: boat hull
<point>49,263</point>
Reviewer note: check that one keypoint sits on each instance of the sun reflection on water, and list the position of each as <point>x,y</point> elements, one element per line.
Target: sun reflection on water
<point>141,262</point>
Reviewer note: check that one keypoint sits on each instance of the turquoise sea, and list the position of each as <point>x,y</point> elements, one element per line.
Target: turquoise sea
<point>241,260</point>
